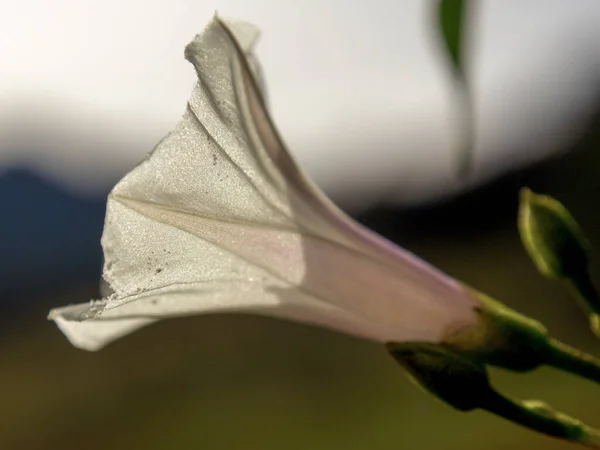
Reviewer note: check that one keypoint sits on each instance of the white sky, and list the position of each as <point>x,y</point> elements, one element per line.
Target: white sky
<point>359,89</point>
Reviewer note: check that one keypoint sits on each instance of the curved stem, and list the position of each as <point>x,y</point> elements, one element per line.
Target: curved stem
<point>538,416</point>
<point>587,293</point>
<point>588,297</point>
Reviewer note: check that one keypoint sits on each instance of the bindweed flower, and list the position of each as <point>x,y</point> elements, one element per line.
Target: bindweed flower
<point>219,218</point>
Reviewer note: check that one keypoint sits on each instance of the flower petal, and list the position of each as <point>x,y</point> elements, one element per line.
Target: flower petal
<point>92,335</point>
<point>220,218</point>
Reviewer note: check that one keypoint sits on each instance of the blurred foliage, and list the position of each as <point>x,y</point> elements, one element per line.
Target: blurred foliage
<point>238,382</point>
<point>452,24</point>
<point>452,18</point>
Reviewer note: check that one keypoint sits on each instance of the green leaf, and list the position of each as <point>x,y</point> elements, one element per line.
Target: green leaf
<point>452,23</point>
<point>451,17</point>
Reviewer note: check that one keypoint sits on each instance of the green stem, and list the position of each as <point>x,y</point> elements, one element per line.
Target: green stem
<point>587,291</point>
<point>571,360</point>
<point>588,297</point>
<point>540,417</point>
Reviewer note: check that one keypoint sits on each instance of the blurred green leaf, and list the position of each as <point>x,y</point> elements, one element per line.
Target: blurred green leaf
<point>451,20</point>
<point>452,24</point>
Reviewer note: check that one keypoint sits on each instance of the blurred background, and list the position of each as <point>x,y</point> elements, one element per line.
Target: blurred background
<point>361,92</point>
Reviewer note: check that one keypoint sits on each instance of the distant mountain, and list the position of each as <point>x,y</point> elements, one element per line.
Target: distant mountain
<point>49,238</point>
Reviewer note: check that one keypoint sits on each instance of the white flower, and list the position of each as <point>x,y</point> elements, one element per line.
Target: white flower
<point>219,218</point>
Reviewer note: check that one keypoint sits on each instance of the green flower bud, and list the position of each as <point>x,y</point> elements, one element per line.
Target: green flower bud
<point>552,237</point>
<point>464,384</point>
<point>558,248</point>
<point>456,380</point>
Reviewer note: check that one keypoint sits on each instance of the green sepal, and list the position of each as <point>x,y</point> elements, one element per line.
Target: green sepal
<point>503,337</point>
<point>448,376</point>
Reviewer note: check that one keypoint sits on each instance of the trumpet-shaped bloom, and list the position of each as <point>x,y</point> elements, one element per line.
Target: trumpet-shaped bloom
<point>219,218</point>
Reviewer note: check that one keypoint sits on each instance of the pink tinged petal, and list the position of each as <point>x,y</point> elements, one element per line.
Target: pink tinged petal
<point>219,218</point>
